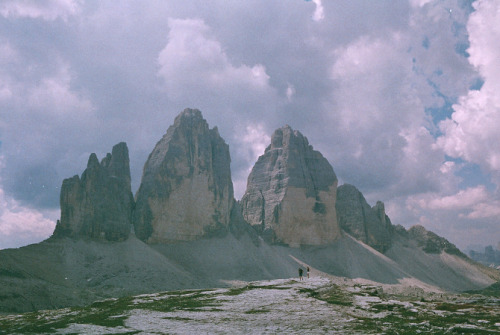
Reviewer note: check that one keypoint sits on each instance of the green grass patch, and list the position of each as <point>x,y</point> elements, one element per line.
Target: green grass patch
<point>334,295</point>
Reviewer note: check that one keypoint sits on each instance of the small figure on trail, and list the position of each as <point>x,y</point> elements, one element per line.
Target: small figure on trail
<point>308,272</point>
<point>300,273</point>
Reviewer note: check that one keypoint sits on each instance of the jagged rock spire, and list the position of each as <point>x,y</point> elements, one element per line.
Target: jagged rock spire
<point>100,203</point>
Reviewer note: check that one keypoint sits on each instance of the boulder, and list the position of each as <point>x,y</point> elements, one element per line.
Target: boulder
<point>100,203</point>
<point>186,190</point>
<point>291,193</point>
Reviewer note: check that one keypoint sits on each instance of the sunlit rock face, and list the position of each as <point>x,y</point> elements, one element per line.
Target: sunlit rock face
<point>100,203</point>
<point>186,189</point>
<point>291,193</point>
<point>368,224</point>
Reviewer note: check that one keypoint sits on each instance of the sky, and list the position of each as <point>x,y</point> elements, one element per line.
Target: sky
<point>402,97</point>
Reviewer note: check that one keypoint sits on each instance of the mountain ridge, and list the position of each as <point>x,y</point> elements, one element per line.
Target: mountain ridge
<point>187,188</point>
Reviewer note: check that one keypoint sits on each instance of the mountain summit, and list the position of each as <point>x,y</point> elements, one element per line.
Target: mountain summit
<point>186,189</point>
<point>291,192</point>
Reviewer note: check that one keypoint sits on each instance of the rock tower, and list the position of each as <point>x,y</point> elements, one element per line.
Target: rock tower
<point>100,203</point>
<point>291,193</point>
<point>186,189</point>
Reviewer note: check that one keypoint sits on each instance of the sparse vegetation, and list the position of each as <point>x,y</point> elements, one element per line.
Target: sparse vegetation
<point>276,306</point>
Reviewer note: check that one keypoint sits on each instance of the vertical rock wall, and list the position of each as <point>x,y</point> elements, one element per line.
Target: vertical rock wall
<point>368,224</point>
<point>100,203</point>
<point>186,189</point>
<point>291,193</point>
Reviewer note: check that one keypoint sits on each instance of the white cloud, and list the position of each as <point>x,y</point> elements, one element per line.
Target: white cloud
<point>251,142</point>
<point>472,132</point>
<point>471,203</point>
<point>485,210</point>
<point>319,12</point>
<point>20,225</point>
<point>290,92</point>
<point>464,199</point>
<point>54,95</point>
<point>419,3</point>
<point>45,9</point>
<point>376,99</point>
<point>193,61</point>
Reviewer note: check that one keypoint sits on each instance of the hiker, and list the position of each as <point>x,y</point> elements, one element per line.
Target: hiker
<point>300,273</point>
<point>308,272</point>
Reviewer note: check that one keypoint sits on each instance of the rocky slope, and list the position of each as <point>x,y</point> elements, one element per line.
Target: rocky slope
<point>291,193</point>
<point>186,189</point>
<point>100,203</point>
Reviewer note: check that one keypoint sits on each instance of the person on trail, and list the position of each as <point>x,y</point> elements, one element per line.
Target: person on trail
<point>308,272</point>
<point>300,273</point>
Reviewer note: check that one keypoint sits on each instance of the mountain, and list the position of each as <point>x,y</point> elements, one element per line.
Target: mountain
<point>291,193</point>
<point>186,189</point>
<point>368,224</point>
<point>189,232</point>
<point>100,203</point>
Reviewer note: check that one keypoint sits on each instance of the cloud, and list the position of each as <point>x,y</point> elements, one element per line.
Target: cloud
<point>45,9</point>
<point>251,142</point>
<point>45,115</point>
<point>366,82</point>
<point>472,131</point>
<point>464,199</point>
<point>319,12</point>
<point>376,98</point>
<point>193,60</point>
<point>20,225</point>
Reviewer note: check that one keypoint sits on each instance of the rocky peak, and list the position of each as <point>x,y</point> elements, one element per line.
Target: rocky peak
<point>186,188</point>
<point>100,203</point>
<point>357,218</point>
<point>291,192</point>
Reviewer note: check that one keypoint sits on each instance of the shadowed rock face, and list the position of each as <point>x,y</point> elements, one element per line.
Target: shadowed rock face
<point>291,193</point>
<point>100,203</point>
<point>186,189</point>
<point>368,224</point>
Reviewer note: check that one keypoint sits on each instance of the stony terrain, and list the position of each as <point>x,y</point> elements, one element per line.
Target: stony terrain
<point>316,305</point>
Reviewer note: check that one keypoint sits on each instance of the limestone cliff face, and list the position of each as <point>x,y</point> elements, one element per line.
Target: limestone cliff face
<point>368,224</point>
<point>186,189</point>
<point>291,193</point>
<point>100,203</point>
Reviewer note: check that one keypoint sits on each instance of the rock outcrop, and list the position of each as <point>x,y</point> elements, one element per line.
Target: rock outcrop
<point>432,243</point>
<point>100,203</point>
<point>291,193</point>
<point>368,224</point>
<point>186,190</point>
